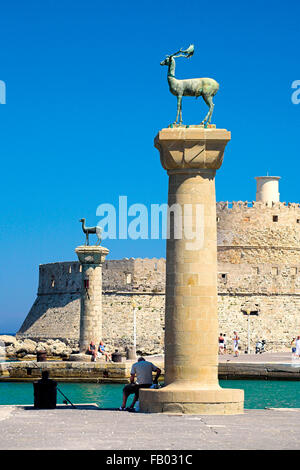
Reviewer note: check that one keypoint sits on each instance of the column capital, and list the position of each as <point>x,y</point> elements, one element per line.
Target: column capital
<point>91,254</point>
<point>191,148</point>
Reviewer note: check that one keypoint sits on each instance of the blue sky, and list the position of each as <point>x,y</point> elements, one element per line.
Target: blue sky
<point>86,96</point>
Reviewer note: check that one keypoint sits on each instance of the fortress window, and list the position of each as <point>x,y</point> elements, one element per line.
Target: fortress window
<point>275,218</point>
<point>223,277</point>
<point>275,271</point>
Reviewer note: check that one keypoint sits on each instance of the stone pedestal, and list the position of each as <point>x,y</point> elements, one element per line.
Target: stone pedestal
<point>191,156</point>
<point>91,259</point>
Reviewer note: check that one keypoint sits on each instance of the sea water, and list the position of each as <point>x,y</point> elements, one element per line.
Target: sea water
<point>259,394</point>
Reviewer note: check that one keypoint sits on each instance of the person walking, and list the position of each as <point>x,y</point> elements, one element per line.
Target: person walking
<point>221,344</point>
<point>297,353</point>
<point>293,345</point>
<point>236,340</point>
<point>225,343</point>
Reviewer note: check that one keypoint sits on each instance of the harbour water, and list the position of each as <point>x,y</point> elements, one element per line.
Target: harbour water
<point>259,394</point>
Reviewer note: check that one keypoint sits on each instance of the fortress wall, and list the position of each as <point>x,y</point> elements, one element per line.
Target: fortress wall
<point>132,274</point>
<point>118,274</point>
<point>277,322</point>
<point>58,316</point>
<point>56,311</point>
<point>258,263</point>
<point>258,233</point>
<point>60,278</point>
<point>149,274</point>
<point>118,321</point>
<point>257,255</point>
<point>54,316</point>
<point>259,278</point>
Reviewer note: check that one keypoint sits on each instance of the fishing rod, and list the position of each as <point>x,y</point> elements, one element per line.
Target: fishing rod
<point>73,406</point>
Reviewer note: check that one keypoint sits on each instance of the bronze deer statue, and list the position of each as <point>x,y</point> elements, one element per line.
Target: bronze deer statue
<point>87,230</point>
<point>205,87</point>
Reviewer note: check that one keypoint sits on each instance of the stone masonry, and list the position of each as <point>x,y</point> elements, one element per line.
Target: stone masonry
<point>258,268</point>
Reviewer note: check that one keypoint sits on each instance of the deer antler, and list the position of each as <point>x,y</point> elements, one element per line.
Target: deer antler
<point>184,53</point>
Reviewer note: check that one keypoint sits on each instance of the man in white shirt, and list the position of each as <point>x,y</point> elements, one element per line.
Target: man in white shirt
<point>143,372</point>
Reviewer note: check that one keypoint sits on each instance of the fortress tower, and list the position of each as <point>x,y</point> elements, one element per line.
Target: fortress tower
<point>259,266</point>
<point>267,189</point>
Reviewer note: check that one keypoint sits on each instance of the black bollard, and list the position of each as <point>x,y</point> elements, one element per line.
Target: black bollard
<point>45,392</point>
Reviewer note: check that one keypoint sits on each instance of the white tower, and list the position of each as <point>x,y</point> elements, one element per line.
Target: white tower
<point>267,189</point>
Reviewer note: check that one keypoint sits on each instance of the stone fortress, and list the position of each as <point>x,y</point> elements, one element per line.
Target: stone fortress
<point>258,281</point>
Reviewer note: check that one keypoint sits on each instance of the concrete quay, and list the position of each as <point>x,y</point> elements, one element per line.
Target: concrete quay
<point>266,366</point>
<point>89,428</point>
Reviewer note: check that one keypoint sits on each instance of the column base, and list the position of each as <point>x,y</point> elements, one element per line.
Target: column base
<point>194,402</point>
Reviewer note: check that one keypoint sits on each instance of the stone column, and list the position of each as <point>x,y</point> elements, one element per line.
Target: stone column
<point>191,157</point>
<point>91,259</point>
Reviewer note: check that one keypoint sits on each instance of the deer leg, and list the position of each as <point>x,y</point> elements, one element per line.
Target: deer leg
<point>180,113</point>
<point>179,98</point>
<point>208,100</point>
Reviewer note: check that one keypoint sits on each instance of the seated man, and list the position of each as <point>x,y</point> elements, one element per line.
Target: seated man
<point>92,350</point>
<point>101,350</point>
<point>143,372</point>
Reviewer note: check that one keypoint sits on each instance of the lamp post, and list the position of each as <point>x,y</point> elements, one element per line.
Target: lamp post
<point>248,312</point>
<point>134,326</point>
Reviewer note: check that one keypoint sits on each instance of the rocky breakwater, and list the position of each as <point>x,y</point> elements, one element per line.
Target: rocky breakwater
<point>14,348</point>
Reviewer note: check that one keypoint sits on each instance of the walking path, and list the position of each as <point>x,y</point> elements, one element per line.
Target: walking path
<point>91,428</point>
<point>280,357</point>
<point>267,357</point>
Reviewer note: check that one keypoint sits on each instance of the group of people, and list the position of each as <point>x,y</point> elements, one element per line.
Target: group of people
<point>223,343</point>
<point>98,352</point>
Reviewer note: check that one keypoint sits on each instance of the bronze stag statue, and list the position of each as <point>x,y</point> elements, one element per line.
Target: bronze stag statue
<point>205,87</point>
<point>87,230</point>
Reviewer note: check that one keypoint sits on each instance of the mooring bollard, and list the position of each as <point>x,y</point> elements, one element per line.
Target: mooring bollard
<point>45,392</point>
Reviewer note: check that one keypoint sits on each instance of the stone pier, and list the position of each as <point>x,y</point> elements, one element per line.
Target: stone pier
<point>91,259</point>
<point>191,157</point>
